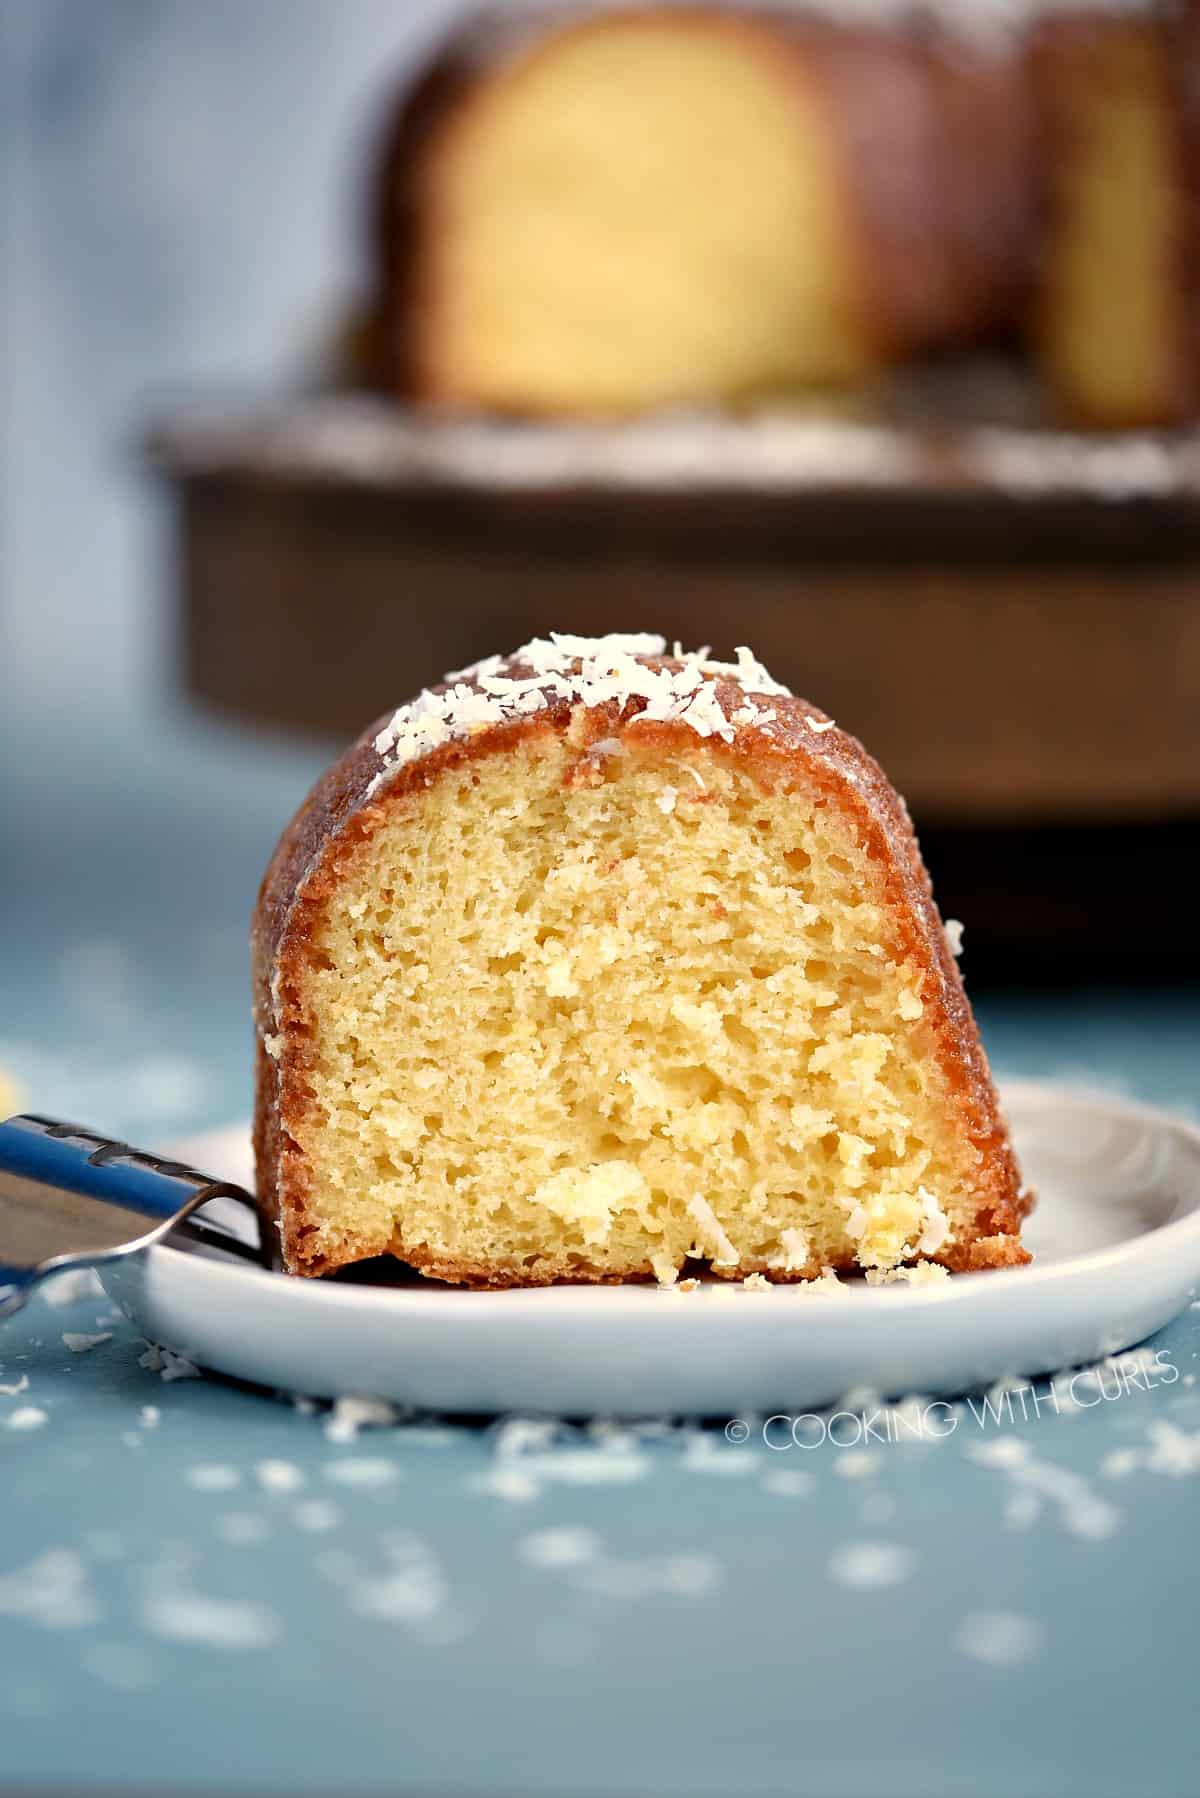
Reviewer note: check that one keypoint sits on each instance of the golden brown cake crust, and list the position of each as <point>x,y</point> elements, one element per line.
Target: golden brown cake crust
<point>934,137</point>
<point>350,802</point>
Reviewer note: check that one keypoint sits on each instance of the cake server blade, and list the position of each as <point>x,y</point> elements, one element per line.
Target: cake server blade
<point>71,1197</point>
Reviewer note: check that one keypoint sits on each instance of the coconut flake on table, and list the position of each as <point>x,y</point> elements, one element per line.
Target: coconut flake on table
<point>357,1411</point>
<point>172,1609</point>
<point>598,1466</point>
<point>908,1419</point>
<point>168,1363</point>
<point>788,1482</point>
<point>507,1482</point>
<point>212,1477</point>
<point>316,1516</point>
<point>707,1453</point>
<point>533,1453</point>
<point>363,1471</point>
<point>1169,1451</point>
<point>999,1638</point>
<point>54,1591</point>
<point>279,1476</point>
<point>672,1576</point>
<point>871,1564</point>
<point>565,1546</point>
<point>26,1417</point>
<point>517,1436</point>
<point>856,1464</point>
<point>1081,1511</point>
<point>68,1288</point>
<point>409,1588</point>
<point>1120,1462</point>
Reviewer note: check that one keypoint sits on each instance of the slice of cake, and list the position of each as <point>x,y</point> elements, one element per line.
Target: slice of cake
<point>595,960</point>
<point>1116,318</point>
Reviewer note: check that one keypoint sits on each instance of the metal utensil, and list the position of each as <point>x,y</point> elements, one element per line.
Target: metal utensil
<point>70,1198</point>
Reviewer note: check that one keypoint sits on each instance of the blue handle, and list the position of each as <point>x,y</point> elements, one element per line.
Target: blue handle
<point>74,1160</point>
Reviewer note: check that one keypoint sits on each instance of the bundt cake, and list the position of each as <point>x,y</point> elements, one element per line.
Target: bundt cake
<point>630,209</point>
<point>595,959</point>
<point>1116,318</point>
<point>604,211</point>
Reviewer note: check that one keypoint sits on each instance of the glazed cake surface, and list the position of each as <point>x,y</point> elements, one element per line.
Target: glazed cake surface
<point>598,961</point>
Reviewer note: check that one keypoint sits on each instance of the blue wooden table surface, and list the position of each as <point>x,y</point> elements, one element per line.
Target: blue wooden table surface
<point>204,1588</point>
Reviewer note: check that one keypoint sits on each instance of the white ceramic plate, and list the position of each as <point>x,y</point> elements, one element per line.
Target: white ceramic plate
<point>1116,1237</point>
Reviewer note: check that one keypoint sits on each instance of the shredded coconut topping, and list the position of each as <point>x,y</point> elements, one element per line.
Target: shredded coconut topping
<point>582,671</point>
<point>714,1241</point>
<point>937,1224</point>
<point>796,1251</point>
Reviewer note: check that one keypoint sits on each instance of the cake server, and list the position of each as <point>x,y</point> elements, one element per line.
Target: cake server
<point>70,1198</point>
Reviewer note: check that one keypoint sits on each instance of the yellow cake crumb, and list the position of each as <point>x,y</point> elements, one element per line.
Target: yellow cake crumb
<point>682,1037</point>
<point>920,1273</point>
